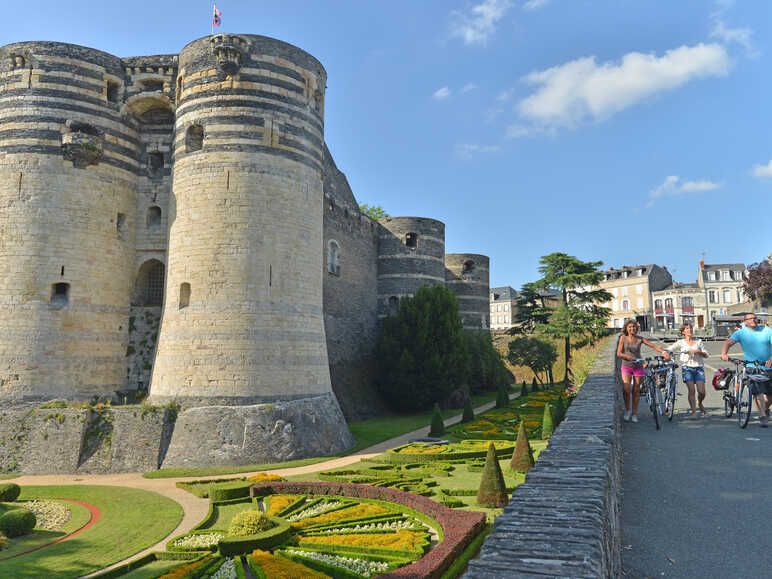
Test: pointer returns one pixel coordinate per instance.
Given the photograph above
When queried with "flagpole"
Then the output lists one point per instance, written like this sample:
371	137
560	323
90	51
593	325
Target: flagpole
214	7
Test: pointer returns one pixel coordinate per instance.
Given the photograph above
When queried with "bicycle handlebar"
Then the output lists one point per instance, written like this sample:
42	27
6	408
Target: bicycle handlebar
746	363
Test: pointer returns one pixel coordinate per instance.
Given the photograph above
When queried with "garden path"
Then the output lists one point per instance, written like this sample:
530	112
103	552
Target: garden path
194	508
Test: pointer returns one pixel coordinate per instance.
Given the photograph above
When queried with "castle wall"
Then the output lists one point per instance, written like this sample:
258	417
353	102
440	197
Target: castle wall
350	295
68	188
411	254
468	276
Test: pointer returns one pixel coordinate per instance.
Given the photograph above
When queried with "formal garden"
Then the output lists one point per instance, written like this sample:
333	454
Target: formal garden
419	509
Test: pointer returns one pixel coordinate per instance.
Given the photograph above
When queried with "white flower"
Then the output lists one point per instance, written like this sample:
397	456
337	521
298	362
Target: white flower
227	570
361	567
203	541
50	515
317	509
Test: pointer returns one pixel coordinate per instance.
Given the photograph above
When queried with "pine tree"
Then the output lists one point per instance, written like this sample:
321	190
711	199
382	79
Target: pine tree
493	491
468	415
522	457
438	426
547	423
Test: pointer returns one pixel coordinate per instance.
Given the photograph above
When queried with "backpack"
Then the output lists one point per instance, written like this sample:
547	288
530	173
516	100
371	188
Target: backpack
723	378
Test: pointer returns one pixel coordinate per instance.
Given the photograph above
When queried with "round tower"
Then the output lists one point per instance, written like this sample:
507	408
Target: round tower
242	320
68	187
468	276
411	254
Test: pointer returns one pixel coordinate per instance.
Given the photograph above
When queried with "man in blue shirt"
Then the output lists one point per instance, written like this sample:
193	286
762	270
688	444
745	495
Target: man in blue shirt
756	341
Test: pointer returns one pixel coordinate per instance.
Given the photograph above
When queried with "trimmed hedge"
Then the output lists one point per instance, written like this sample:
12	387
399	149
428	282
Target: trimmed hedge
229	491
362	550
394	455
170	548
9	492
17	522
200	488
266	540
458	527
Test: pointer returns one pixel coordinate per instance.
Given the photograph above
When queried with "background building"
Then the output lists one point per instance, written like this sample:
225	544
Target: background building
631	288
503	305
678	304
722	285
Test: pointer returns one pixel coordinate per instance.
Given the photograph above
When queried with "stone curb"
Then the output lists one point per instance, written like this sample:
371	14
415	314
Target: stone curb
564	520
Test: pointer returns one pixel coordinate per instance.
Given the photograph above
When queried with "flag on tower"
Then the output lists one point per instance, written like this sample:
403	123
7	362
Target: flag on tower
217	17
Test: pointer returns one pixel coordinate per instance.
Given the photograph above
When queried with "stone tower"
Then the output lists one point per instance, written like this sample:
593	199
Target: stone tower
411	254
242	323
468	276
68	188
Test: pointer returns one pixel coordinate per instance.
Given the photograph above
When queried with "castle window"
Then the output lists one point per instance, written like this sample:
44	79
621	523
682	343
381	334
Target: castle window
154	218
149	286
60	295
113	91
411	239
152	85
333	257
179	88
468	267
155	162
184	295
393	305
331	205
120	225
194	138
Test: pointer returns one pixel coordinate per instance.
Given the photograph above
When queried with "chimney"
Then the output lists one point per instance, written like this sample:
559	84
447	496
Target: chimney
702	263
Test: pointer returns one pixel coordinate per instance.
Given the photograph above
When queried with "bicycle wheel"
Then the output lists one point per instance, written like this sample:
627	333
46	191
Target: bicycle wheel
670	398
652	398
728	405
744	404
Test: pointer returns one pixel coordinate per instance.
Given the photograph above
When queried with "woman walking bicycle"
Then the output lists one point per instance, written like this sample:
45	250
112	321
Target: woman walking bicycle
629	350
692	354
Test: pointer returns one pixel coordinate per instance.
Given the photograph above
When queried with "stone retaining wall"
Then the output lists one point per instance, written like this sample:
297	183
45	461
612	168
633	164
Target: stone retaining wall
564	521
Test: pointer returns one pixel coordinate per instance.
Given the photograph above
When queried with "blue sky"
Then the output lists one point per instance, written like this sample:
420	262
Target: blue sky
626	131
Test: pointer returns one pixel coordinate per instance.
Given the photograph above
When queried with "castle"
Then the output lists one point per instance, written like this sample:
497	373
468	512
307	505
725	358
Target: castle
176	223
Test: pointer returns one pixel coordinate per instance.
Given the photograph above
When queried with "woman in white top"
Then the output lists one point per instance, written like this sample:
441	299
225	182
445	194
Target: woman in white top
692	353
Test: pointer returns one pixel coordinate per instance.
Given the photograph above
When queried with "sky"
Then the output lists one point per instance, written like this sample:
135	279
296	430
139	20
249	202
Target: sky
622	131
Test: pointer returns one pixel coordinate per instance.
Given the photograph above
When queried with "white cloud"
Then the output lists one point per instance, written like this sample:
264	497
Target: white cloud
763	171
441	93
478	24
467	150
535	4
582	89
741	36
673	186
468	87
505	95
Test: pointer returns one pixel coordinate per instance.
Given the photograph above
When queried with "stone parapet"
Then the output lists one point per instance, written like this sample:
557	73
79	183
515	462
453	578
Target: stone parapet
564	520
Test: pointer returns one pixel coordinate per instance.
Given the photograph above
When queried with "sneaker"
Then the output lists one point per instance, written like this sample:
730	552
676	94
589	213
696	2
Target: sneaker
764	421
634	418
626	417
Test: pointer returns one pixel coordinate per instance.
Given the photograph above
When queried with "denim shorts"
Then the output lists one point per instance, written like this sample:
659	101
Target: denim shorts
693	374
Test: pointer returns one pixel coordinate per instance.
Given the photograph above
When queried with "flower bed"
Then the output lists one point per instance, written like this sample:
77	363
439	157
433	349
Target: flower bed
51	515
416	452
504	422
280	568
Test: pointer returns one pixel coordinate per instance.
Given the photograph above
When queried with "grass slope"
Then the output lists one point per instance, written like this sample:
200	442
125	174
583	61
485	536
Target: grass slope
131	520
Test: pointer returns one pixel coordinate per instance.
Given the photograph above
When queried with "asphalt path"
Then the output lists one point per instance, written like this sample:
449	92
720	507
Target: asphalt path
697	494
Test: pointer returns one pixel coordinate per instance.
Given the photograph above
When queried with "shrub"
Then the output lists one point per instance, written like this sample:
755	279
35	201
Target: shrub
438	426
487	370
17	522
9	492
522	458
279	533
534	385
493	492
502	398
249	523
560	410
262	477
468	415
547	423
229	490
421	352
523	389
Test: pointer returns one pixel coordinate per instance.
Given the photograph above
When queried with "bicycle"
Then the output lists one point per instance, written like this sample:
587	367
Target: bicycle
649	387
671	387
752	371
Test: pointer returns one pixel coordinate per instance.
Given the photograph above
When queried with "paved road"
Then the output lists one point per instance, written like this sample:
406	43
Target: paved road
697	494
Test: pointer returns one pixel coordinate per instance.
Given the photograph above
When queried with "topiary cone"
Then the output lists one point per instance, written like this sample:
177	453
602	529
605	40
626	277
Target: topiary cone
522	458
547	423
502	398
437	426
468	415
534	386
493	491
560	410
523	390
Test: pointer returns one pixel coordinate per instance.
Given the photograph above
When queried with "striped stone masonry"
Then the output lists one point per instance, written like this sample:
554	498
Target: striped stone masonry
564	520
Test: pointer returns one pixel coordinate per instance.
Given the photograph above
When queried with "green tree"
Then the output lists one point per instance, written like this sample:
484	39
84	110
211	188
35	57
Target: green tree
522	457
578	313
492	491
547	423
532	309
437	427
534	352
421	351
468	414
373	211
487	371
758	284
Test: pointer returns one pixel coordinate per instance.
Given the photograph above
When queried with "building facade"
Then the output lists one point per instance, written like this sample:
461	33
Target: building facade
680	303
177	224
722	284
631	289
503	307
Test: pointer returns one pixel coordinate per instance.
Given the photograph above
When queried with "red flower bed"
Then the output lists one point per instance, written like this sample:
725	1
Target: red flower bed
458	527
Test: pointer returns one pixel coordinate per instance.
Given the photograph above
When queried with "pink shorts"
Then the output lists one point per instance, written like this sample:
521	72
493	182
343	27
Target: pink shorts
638	371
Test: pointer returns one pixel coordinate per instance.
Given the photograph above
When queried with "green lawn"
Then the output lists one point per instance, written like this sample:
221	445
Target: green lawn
9	476
225	513
152	569
131	520
366	433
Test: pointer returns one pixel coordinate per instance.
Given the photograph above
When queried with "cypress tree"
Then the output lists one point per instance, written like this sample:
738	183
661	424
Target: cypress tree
534	385
523	390
522	457
493	491
468	415
502	398
560	410
438	426
547	423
